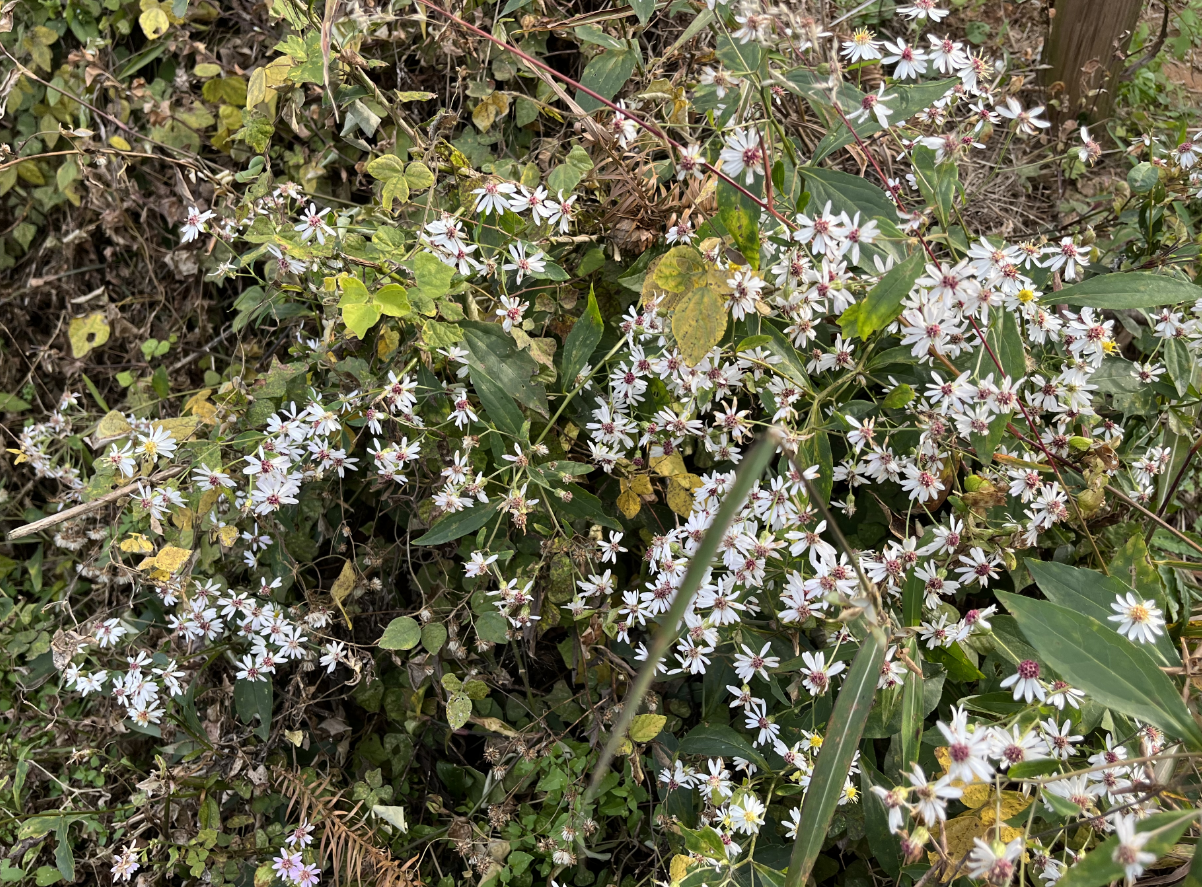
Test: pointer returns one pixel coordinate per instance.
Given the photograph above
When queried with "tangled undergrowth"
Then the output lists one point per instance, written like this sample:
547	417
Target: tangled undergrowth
533	443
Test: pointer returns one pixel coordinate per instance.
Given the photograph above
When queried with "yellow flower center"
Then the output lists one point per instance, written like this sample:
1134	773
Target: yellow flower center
1026	295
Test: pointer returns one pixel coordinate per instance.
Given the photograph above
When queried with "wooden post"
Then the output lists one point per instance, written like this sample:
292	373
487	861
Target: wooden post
1085	52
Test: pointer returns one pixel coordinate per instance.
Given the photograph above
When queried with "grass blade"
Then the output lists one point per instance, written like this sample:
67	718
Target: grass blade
834	761
665	635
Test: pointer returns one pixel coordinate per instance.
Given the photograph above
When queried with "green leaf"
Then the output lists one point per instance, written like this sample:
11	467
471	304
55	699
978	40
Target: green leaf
433	282
1116	673
499	355
63	857
493	627
839	746
644	728
360	318
906	101
718	740
1098	866
1006	340
10	403
936	182
644	9
458	524
581	341
912	705
459	709
740	216
1143	177
254	698
1128	289
402	633
434	635
568	174
605	75
883	303
1091	593
1029	769
886	848
848	193
393	301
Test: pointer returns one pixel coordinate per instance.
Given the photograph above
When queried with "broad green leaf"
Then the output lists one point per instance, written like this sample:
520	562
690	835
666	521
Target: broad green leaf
10	403
644	9
740	216
402	633
458	524
849	194
254	698
936	182
886	848
816	450
433	282
905	101
582	505
699	321
741	58
1126	289
64	859
884	301
1098	866
605	75
1006	339
493	627
581	341
1091	593
1116	673
434	635
1029	769
718	740
841	742
568	174
501	373
1131	396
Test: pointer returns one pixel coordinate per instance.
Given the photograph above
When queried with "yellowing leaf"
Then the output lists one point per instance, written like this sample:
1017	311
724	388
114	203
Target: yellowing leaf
679	868
343	586
667	466
227	535
112	426
418	175
136	543
206	70
644	728
641	484
629	503
120	144
207	500
171	558
699	322
487	112
86	333
679	499
154	22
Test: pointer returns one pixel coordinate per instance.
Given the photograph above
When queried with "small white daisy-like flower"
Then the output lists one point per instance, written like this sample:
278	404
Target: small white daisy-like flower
1139	620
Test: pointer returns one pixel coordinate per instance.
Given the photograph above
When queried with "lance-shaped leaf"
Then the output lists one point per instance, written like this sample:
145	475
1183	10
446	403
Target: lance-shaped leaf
1098	866
1115	672
834	761
582	339
1130	289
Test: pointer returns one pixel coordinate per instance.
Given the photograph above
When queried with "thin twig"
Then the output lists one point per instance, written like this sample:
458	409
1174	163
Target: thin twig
88	507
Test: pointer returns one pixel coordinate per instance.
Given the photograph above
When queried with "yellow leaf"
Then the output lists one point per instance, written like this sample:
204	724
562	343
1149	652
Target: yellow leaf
644	728
667	466
386	342
629	504
136	543
112	426
641	484
183	518
680	500
679	868
343	586
227	535
207	70
207	500
699	321
169	559
1012	804
977	794
86	333
120	144
154	23
181	429
487	112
